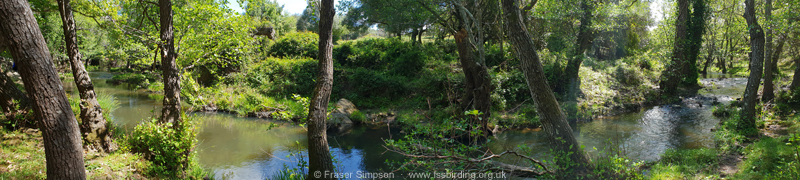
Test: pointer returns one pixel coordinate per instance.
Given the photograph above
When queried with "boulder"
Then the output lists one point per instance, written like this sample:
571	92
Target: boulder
339	123
345	107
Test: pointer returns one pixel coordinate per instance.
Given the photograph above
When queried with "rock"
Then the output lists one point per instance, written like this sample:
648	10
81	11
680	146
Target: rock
339	123
382	118
345	107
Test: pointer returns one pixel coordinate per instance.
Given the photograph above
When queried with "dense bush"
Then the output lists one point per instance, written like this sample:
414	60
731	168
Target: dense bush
297	44
393	55
282	77
168	147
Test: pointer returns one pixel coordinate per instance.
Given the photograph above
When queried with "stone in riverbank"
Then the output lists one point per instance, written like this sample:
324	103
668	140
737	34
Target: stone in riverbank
345	107
339	123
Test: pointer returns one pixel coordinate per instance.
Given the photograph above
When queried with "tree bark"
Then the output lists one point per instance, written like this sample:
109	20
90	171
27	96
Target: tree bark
171	111
748	113
94	128
319	156
671	77
561	138
62	141
769	88
478	88
585	38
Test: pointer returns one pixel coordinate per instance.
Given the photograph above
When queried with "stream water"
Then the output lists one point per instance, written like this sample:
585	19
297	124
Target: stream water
247	148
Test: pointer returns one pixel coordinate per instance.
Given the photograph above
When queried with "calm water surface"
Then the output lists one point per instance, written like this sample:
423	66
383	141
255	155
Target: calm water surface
247	148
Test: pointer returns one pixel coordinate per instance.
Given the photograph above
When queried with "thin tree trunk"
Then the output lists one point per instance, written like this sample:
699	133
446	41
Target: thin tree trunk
62	141
585	38
561	138
769	88
748	113
319	156
171	111
710	57
672	75
94	129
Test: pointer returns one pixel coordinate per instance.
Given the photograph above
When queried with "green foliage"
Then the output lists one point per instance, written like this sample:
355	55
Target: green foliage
107	102
358	116
298	44
387	54
168	146
278	77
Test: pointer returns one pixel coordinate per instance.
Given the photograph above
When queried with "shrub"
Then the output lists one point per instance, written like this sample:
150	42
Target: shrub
297	44
358	116
168	147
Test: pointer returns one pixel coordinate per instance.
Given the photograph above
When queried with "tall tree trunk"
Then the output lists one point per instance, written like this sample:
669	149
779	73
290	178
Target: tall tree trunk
171	111
14	103
62	141
94	129
769	88
319	156
585	38
695	30
748	113
478	88
561	138
671	77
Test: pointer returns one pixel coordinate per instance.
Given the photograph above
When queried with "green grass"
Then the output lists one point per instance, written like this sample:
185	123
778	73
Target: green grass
686	164
22	157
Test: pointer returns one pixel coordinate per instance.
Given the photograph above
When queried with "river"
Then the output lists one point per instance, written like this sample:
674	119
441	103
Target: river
248	148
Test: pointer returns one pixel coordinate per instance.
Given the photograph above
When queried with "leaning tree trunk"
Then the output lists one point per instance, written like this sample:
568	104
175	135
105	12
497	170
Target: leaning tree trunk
585	38
94	128
672	75
319	156
554	122
747	117
171	111
62	141
769	88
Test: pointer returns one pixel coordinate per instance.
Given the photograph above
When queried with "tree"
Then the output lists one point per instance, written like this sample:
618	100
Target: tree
171	112
747	117
94	129
319	156
671	77
768	92
14	103
561	138
695	29
584	42
62	142
470	41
